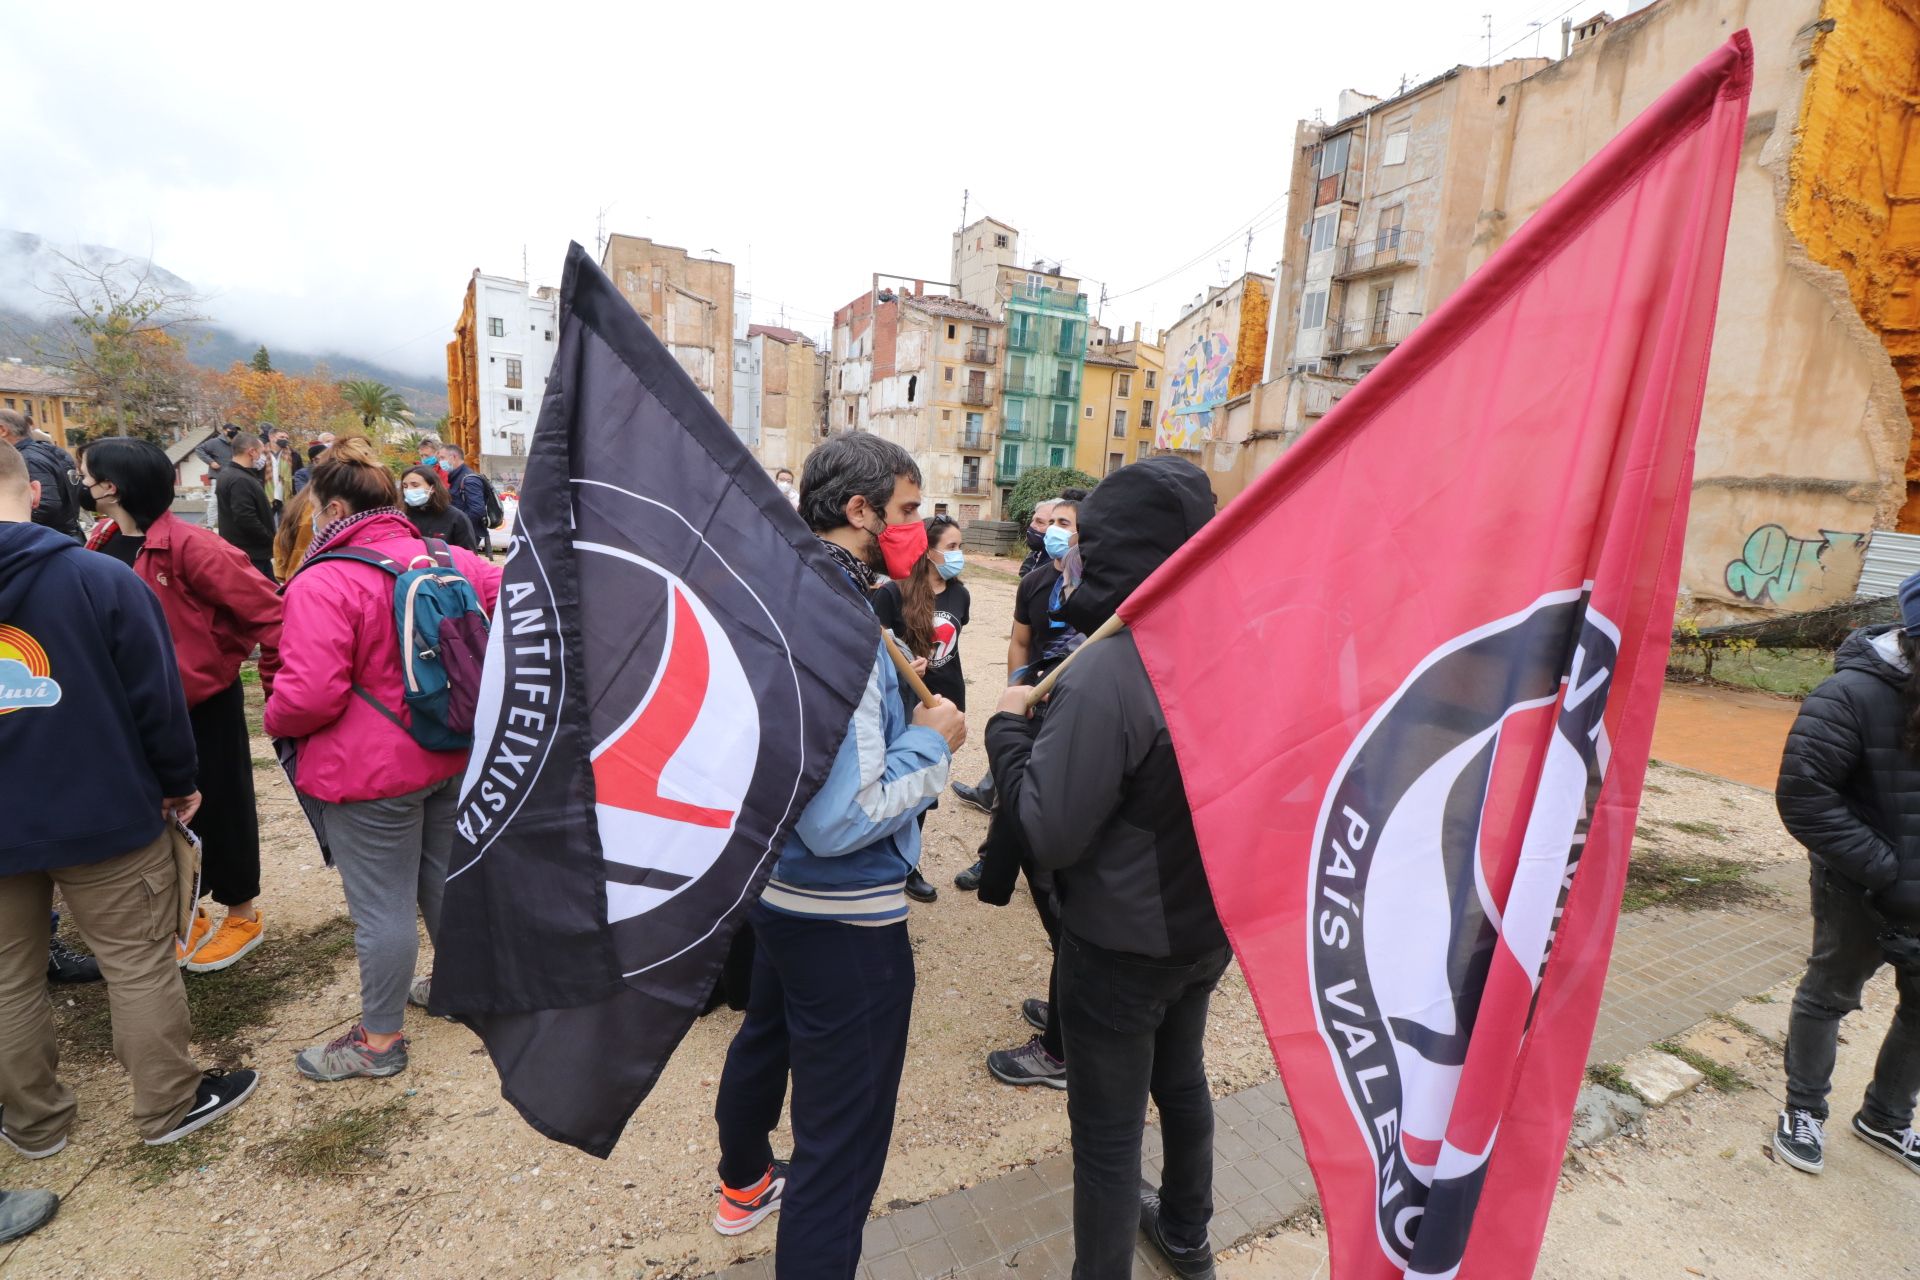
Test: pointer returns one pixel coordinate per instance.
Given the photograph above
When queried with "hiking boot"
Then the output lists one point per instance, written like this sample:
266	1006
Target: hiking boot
1035	1012
1799	1140
25	1211
1029	1064
232	940
197	936
418	993
1194	1263
980	798
1902	1144
219	1093
742	1209
41	1154
351	1056
968	881
918	889
64	964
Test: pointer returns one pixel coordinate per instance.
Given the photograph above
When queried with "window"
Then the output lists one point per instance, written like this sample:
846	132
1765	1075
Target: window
939	508
1396	149
1114	462
1388	236
913	386
1150	379
1382	312
1313	312
549	335
849	415
496	327
976	423
1146	410
1009	459
1057	457
979	335
514	404
513	372
946	415
1062	416
71	408
1120	422
1324	228
1087	412
1333	155
951	329
517	444
999	242
1123	385
9	402
948	375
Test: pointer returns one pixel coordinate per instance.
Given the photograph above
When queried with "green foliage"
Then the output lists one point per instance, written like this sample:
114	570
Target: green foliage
375	402
1608	1075
1723	1078
343	1144
1042	483
262	362
1679	880
1791	672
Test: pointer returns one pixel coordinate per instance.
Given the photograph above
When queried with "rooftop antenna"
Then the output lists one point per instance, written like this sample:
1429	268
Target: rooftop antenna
1489	19
965	196
525	274
600	229
1247	261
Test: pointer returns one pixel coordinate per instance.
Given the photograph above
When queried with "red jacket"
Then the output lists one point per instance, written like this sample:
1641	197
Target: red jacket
218	606
340	632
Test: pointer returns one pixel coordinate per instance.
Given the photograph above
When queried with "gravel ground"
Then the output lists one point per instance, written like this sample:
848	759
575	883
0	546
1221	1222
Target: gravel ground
473	1191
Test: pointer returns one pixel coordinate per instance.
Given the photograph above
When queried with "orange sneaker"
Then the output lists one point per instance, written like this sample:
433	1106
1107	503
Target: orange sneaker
742	1209
233	939
196	939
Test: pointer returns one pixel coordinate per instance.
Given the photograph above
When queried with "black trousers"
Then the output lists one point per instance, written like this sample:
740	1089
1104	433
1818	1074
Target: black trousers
227	824
829	1004
1040	889
1845	955
1134	1028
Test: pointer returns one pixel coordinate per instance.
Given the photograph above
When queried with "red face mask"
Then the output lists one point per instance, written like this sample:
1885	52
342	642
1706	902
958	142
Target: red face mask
902	545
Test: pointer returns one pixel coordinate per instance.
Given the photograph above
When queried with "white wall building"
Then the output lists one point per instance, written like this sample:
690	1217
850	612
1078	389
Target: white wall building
516	331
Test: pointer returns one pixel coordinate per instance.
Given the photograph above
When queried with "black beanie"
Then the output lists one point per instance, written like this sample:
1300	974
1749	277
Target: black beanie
1129	525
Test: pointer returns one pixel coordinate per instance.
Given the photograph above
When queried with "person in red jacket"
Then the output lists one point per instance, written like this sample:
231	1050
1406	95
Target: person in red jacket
388	803
218	608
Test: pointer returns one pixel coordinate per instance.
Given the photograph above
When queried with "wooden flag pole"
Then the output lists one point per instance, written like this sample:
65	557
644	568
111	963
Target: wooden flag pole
907	673
1111	626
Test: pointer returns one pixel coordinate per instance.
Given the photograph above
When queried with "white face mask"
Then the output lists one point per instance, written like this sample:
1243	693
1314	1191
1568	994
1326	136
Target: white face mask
415	497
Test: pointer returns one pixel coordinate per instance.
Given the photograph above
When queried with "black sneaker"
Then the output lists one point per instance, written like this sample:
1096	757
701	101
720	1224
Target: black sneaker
918	889
1035	1012
1193	1264
974	797
64	964
1799	1140
1902	1144
969	880
219	1093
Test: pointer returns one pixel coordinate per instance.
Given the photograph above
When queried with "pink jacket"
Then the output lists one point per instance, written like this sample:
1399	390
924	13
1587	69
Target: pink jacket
338	632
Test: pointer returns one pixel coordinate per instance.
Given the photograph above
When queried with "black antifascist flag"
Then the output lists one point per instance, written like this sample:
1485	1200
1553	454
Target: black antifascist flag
673	662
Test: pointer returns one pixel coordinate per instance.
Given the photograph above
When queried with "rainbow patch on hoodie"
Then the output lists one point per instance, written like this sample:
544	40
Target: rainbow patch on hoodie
26	677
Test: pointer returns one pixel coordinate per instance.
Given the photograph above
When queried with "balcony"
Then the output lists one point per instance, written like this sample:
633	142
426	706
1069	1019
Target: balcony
1023	339
1014	429
1018	384
976	394
1389	249
1060	432
972	487
976	441
1066	384
1373	334
979	353
1319	394
1052	299
1005	476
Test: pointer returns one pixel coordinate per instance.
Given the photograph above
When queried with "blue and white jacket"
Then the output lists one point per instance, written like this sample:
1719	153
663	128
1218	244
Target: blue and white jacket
850	853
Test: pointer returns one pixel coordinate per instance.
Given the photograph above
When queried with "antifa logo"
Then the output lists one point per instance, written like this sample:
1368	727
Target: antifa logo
1493	748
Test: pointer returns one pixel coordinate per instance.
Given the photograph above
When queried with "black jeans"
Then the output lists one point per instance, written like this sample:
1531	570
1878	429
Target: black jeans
228	823
1134	1027
1845	955
830	1003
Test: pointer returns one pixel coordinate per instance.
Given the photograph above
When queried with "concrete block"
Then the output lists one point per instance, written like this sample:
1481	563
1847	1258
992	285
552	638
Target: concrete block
1599	1113
1658	1076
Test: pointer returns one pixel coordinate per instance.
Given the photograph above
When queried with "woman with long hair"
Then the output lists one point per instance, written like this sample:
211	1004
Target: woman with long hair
926	612
430	508
218	607
387	802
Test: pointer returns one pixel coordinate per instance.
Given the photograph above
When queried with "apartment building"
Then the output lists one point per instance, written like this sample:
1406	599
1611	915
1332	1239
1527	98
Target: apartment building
687	301
497	365
1214	353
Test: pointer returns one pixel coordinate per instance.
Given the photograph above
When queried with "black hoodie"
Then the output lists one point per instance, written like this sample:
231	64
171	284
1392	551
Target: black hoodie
1095	785
1849	790
93	722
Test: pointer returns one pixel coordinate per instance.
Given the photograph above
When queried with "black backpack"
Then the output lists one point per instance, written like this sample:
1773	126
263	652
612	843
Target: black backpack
66	503
496	514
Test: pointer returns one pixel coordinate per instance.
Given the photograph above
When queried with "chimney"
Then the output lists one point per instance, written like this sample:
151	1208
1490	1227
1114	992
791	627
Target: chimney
1136	331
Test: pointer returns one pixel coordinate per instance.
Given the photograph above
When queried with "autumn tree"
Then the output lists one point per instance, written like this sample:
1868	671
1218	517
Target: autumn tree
303	406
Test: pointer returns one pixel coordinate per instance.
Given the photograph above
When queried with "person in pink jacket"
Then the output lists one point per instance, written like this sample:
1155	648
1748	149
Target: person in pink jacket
387	803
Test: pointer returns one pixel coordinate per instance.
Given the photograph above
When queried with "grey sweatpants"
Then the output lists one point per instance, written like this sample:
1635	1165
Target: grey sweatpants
392	858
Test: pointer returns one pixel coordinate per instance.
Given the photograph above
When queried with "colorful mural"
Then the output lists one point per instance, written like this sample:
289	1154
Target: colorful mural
1196	388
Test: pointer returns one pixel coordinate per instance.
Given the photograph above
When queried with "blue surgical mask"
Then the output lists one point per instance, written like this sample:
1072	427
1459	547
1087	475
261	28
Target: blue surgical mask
1058	540
415	497
316	522
951	563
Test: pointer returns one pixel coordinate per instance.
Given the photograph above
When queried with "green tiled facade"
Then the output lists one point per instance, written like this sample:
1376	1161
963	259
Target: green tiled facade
1046	343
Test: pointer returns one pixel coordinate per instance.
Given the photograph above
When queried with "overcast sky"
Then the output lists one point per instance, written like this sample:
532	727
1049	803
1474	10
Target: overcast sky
332	174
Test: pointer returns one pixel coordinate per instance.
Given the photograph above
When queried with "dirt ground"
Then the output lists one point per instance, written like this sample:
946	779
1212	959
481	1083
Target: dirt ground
1697	1192
460	1186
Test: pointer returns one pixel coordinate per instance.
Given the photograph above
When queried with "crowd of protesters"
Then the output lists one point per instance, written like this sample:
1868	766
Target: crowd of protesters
154	617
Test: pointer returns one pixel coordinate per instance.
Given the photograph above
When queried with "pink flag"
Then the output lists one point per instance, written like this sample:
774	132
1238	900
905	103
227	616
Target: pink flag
1415	754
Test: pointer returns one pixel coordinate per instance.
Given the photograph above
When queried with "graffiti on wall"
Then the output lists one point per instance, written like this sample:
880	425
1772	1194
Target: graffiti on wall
1196	388
1775	566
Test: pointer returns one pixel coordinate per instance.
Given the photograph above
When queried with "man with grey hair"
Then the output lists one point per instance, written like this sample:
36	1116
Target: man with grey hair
829	1002
55	481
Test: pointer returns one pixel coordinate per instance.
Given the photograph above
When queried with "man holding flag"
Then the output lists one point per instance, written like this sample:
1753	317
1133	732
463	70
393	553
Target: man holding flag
832	986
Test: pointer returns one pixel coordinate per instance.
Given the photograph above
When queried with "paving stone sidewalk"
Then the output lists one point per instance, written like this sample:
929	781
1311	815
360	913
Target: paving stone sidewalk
1670	969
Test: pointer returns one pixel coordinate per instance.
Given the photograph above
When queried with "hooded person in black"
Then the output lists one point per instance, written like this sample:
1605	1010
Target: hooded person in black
1849	790
1095	792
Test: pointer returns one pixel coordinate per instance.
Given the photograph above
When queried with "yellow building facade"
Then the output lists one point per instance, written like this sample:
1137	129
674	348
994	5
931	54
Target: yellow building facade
1119	400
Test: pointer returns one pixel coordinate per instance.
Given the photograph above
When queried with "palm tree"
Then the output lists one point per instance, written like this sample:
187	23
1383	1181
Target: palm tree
375	402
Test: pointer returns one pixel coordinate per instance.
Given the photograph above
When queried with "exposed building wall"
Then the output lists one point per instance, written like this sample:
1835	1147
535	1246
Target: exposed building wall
516	336
686	301
1205	359
1804	437
978	255
463	381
